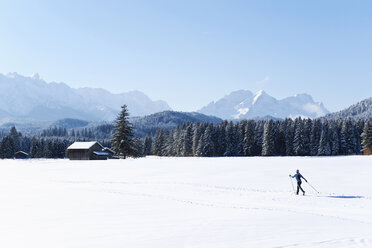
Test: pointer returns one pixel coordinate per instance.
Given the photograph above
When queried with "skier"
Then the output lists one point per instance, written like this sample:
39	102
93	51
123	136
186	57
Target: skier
298	179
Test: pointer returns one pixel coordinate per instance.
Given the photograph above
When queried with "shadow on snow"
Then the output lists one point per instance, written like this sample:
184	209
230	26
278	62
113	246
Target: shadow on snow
345	196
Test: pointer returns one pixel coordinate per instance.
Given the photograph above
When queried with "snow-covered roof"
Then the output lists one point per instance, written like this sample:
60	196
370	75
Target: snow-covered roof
82	145
101	153
21	152
108	149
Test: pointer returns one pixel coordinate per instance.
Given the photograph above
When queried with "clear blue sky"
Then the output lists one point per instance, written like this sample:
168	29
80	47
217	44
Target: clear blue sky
192	52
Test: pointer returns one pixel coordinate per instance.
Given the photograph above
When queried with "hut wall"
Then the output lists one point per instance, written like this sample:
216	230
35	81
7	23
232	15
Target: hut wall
367	151
78	154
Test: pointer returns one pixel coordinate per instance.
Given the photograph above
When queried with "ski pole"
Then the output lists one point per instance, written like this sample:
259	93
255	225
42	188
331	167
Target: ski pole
292	184
312	187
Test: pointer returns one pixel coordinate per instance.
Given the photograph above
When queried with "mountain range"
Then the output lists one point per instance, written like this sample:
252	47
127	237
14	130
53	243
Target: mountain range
27	99
243	104
31	98
31	104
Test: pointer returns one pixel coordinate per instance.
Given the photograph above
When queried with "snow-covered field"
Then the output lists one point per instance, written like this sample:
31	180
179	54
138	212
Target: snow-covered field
185	202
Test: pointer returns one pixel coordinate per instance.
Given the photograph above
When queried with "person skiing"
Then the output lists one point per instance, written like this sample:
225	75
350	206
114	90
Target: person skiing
298	177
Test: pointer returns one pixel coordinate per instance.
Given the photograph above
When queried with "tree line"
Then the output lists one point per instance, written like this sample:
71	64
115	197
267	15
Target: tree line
102	131
299	137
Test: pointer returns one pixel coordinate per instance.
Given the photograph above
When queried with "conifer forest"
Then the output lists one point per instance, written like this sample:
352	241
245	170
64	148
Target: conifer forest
298	137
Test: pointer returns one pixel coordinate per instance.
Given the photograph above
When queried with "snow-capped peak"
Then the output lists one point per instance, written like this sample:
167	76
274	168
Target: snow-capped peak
32	97
262	96
258	95
262	104
35	76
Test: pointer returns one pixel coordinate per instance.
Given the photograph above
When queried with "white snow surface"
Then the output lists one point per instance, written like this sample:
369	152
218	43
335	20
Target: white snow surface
186	202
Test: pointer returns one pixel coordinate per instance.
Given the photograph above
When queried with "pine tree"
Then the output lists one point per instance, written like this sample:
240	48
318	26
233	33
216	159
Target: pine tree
48	149
268	144
122	138
230	140
289	136
221	139
359	126
61	148
7	147
280	139
16	137
307	132
259	133
137	150
169	145
324	146
10	144
347	139
299	137
315	137
33	147
158	142
208	147
335	142
73	133
248	140
199	148
195	137
187	141
26	144
367	135
177	145
147	145
37	148
240	137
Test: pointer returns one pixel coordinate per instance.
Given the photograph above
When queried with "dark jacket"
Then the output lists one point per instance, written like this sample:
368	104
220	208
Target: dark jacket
298	177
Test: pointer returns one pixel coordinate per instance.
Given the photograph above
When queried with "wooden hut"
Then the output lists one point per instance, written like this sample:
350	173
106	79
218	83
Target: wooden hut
84	150
21	155
367	151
